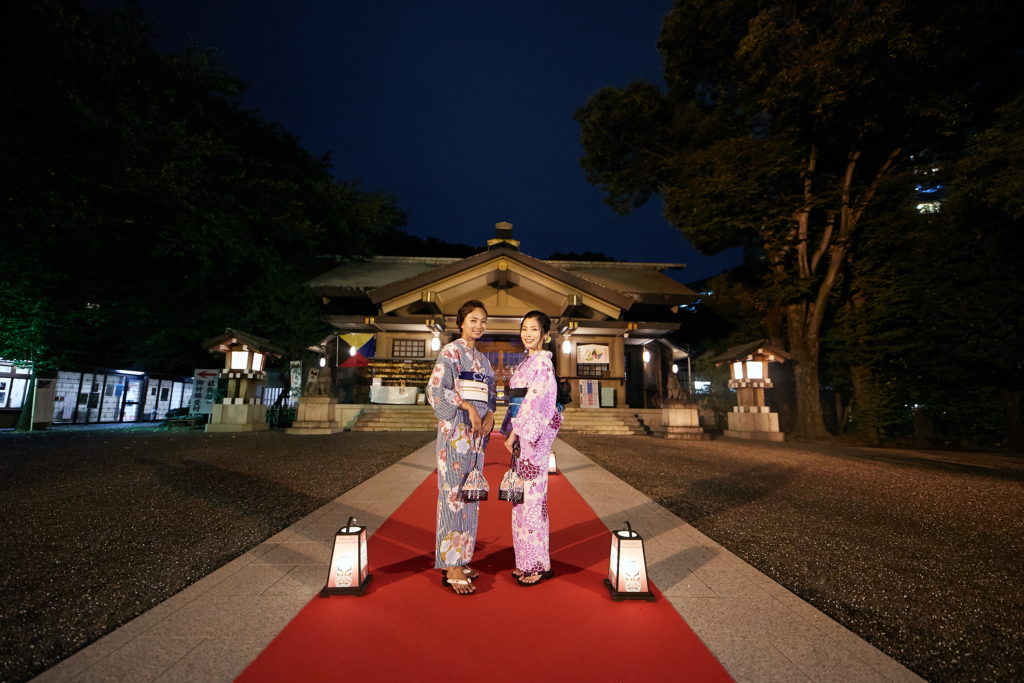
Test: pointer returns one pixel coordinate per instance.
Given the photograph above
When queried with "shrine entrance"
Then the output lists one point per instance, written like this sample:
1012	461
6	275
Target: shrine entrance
504	354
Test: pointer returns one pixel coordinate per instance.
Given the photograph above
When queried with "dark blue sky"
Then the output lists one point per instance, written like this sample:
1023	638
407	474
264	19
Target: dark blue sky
463	110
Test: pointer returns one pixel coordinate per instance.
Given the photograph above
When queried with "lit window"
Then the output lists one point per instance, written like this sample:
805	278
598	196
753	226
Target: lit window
929	207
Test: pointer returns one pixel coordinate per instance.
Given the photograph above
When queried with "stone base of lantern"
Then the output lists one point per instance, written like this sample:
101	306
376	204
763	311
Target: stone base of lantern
756	423
239	417
680	421
316	415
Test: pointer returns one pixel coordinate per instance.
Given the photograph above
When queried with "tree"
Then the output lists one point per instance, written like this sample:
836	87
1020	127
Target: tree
780	126
148	209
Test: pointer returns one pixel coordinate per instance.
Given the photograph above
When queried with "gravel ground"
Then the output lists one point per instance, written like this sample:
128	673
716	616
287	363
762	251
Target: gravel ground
919	553
100	525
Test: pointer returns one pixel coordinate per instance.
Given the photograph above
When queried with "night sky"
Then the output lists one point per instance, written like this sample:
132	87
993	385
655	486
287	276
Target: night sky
463	110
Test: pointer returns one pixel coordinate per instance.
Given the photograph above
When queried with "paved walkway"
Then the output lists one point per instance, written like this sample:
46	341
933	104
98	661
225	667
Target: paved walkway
214	628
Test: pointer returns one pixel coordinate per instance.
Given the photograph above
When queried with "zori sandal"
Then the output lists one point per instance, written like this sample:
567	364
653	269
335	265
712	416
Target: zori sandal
544	576
452	583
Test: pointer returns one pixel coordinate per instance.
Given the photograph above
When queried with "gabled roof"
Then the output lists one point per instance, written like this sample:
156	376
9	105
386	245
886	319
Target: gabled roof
224	341
359	277
744	350
644	282
496	254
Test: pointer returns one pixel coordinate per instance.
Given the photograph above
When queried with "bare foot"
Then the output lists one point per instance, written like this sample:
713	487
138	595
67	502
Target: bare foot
458	581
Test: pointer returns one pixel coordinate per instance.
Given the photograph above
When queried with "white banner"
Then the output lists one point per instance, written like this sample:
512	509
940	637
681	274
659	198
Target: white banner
592	353
204	388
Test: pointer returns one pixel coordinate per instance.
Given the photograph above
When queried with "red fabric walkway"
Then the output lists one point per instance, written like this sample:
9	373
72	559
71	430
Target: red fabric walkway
410	628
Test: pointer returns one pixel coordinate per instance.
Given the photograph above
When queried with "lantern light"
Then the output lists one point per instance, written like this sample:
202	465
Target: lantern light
647	355
675	368
348	573
552	465
435	342
239	360
323	361
566	346
352	351
737	370
627	567
755	369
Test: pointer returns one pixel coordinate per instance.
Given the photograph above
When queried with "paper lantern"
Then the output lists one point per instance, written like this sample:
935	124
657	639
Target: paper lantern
627	567
348	573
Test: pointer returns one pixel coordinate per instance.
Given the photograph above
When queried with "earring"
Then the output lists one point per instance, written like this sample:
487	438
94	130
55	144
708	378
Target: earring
547	339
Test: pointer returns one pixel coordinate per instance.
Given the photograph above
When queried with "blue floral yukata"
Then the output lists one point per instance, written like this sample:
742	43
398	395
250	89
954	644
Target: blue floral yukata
459	369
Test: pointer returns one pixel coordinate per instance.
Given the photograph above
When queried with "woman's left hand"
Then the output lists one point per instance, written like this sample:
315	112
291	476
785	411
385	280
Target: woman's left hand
510	441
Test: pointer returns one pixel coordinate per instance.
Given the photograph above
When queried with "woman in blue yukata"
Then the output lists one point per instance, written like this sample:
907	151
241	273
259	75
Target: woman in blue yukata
462	392
530	427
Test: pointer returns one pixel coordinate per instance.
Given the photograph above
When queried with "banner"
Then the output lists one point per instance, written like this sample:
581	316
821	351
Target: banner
365	346
592	353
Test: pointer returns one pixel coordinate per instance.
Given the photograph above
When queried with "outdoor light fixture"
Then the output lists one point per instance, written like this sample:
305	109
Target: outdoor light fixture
352	350
627	567
435	342
245	360
737	370
675	368
755	369
647	355
552	465
323	361
239	360
566	332
348	573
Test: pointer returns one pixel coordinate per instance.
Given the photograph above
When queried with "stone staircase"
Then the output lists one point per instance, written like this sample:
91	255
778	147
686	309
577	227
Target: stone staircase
406	418
603	421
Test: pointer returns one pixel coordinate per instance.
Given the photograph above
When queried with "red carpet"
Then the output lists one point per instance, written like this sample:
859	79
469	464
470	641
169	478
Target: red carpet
410	628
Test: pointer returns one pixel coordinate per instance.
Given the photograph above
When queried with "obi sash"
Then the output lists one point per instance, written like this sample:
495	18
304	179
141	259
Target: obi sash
474	386
515	399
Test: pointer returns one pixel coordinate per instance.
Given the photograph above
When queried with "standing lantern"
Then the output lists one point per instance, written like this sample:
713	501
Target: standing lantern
349	571
627	567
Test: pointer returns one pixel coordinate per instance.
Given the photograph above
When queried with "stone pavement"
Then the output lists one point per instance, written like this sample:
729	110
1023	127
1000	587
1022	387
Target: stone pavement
212	630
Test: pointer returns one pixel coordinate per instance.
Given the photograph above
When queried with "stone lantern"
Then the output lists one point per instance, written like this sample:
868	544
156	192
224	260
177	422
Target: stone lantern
752	418
245	358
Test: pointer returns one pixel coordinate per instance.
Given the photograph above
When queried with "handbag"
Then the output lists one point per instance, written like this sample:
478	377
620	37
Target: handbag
511	488
474	487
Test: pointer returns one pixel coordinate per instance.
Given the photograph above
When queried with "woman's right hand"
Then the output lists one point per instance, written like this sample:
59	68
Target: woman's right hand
510	441
475	423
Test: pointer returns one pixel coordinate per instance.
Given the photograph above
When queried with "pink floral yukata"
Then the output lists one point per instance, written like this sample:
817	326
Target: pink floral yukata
457	452
536	426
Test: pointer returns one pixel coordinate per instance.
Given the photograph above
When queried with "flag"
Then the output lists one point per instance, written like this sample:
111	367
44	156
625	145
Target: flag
365	346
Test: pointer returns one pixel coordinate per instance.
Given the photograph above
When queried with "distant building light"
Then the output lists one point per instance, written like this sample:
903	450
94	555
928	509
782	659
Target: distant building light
130	372
701	386
929	207
928	189
91	306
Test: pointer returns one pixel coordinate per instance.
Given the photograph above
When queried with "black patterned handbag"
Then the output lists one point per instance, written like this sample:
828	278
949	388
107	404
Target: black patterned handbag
511	488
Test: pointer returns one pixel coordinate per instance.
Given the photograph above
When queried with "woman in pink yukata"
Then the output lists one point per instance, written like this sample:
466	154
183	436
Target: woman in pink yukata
530	427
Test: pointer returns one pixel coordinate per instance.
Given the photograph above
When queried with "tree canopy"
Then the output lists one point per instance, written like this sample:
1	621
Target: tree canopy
146	209
781	126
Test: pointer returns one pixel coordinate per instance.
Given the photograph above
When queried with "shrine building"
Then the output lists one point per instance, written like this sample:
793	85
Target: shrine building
610	321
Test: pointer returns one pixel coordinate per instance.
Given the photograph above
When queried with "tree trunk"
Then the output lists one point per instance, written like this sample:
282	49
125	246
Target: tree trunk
810	421
865	401
1014	432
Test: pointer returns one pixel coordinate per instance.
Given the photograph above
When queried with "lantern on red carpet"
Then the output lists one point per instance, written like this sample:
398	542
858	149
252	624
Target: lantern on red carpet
349	570
552	465
627	567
